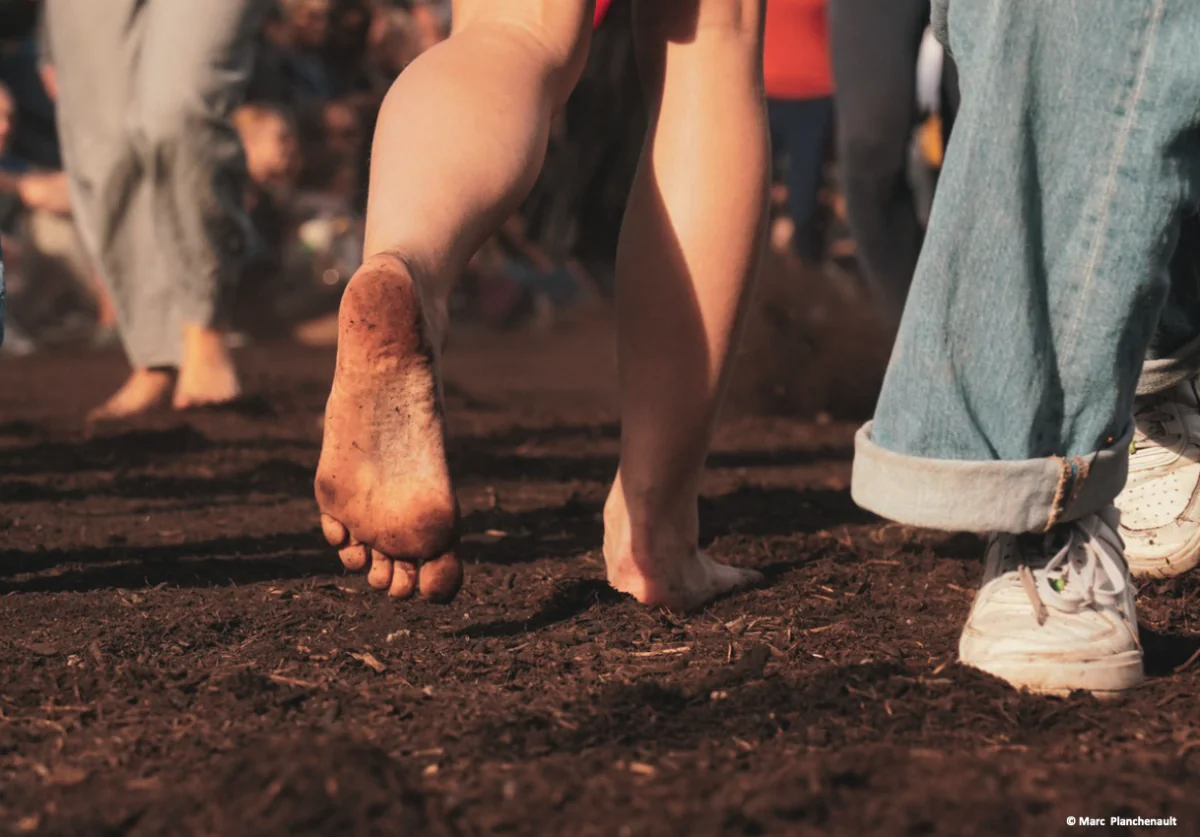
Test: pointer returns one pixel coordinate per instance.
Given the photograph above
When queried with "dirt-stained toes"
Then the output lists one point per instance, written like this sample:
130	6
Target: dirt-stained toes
404	580
441	579
380	574
355	557
334	532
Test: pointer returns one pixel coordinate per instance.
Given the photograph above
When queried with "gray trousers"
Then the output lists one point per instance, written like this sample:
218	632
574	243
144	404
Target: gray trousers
146	88
874	46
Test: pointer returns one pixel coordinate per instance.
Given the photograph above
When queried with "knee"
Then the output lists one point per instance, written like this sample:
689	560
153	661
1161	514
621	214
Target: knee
163	124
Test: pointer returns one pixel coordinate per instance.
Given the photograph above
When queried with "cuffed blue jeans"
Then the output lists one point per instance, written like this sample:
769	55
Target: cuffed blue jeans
1061	252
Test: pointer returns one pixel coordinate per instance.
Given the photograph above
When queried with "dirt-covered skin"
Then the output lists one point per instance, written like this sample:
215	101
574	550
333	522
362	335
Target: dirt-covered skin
181	652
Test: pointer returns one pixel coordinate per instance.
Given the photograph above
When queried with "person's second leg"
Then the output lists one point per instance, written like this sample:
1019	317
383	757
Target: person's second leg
460	139
1160	504
874	49
192	71
689	249
1007	404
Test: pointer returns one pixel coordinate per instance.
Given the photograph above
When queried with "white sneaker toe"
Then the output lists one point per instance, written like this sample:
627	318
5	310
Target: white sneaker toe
1056	618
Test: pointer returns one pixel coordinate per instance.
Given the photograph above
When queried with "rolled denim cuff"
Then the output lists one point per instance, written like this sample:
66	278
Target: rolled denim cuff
1164	373
1029	495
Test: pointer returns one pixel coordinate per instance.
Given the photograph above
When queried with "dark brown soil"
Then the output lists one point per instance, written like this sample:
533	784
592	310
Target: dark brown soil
180	654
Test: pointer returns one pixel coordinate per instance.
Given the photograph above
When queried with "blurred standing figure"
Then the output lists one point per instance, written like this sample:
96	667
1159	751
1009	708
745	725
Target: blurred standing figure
875	46
146	89
799	85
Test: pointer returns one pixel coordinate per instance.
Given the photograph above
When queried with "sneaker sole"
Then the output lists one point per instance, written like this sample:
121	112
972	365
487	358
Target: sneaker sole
1178	563
1108	677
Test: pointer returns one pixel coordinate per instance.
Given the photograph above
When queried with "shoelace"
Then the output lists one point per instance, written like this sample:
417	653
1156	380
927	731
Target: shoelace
1087	570
1150	419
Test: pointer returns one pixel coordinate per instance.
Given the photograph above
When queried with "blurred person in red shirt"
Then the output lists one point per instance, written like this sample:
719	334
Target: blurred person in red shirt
799	85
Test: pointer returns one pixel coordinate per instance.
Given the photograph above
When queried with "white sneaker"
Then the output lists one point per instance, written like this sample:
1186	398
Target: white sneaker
1056	614
1160	506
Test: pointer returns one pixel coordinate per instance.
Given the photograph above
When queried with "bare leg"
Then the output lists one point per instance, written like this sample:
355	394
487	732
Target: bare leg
461	138
688	252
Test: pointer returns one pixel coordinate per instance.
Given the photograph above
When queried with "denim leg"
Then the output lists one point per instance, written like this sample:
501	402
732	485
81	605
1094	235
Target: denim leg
1007	403
1174	354
874	47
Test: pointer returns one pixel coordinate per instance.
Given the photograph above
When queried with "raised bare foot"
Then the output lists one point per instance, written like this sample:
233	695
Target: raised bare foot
661	565
144	390
382	483
206	375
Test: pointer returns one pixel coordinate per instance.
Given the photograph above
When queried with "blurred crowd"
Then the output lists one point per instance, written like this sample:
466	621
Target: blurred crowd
322	67
321	71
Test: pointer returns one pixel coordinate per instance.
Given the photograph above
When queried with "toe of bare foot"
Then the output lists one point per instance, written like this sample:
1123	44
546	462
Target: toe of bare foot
334	531
441	578
404	580
356	557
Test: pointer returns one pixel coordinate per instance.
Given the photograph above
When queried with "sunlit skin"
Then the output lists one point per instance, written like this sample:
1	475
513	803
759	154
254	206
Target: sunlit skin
484	100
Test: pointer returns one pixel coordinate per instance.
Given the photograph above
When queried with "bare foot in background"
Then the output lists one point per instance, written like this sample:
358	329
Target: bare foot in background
206	375
144	390
382	483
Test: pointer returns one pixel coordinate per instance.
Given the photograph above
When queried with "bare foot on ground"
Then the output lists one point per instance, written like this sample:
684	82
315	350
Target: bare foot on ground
143	390
661	564
207	376
382	483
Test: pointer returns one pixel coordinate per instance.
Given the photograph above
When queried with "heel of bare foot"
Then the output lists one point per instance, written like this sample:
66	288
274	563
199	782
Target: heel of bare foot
144	390
382	482
207	376
661	565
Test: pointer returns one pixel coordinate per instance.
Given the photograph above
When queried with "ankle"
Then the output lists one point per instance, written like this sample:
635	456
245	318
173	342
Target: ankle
638	530
202	344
